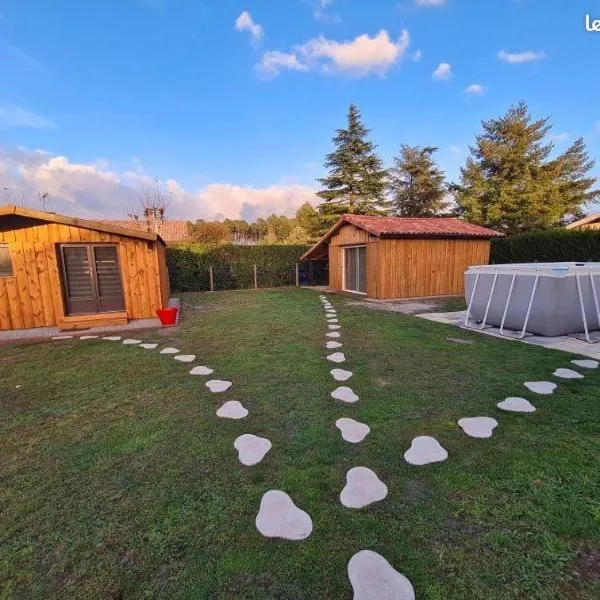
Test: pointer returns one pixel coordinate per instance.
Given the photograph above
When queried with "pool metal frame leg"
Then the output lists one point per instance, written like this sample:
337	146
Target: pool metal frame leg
489	302
585	325
593	284
510	291
471	299
533	291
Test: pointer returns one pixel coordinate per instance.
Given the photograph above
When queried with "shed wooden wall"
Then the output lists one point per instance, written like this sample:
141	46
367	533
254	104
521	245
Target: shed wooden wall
413	267
33	296
408	267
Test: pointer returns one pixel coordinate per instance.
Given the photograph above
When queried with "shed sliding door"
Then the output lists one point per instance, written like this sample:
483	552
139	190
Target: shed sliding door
355	269
91	278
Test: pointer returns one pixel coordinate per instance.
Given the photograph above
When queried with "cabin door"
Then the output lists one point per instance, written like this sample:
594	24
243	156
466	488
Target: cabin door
355	269
91	278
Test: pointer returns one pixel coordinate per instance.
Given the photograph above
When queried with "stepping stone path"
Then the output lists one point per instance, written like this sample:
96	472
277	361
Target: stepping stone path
373	578
541	387
586	363
279	517
332	320
185	358
362	488
516	404
89	337
112	338
337	357
201	370
334	327
331	345
478	427
341	375
169	351
334	334
149	346
251	448
232	410
425	450
63	337
130	342
352	431
218	385
567	374
459	340
345	394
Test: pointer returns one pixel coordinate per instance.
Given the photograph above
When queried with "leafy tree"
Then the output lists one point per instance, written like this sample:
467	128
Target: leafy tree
209	232
417	183
357	181
511	183
307	218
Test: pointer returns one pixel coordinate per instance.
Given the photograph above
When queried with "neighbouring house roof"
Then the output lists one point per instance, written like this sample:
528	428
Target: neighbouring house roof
399	227
24	214
593	218
171	232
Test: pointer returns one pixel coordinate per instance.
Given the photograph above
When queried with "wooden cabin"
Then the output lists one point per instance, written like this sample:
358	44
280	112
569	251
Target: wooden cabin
395	257
590	222
74	273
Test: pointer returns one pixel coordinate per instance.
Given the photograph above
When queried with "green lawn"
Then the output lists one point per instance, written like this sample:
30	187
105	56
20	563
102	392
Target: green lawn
119	481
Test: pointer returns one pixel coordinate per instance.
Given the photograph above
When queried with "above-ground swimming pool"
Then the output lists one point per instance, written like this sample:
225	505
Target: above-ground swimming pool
548	299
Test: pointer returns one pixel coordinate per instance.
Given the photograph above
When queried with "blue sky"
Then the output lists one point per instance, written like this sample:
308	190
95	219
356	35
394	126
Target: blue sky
233	104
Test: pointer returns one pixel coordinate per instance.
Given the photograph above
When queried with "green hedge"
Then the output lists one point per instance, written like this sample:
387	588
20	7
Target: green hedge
557	245
232	266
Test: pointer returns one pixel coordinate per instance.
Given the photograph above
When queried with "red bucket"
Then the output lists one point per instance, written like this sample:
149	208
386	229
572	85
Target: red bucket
167	316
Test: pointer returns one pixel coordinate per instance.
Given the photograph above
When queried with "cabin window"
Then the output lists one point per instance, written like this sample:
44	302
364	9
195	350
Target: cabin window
6	269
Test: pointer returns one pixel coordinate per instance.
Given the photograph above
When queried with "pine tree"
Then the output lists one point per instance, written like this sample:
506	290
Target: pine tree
357	180
417	183
511	183
307	218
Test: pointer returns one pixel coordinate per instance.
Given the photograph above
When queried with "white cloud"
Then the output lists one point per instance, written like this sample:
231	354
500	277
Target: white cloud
93	190
520	57
475	89
417	56
443	72
321	12
364	55
560	137
17	116
245	22
272	63
430	2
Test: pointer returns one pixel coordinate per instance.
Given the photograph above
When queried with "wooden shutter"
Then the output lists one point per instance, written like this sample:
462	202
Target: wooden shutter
108	277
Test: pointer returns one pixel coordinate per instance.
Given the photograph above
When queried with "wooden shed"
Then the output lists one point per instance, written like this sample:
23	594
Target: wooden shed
395	257
74	273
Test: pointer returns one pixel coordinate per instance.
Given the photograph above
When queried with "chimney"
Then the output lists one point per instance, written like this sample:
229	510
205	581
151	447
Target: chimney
154	216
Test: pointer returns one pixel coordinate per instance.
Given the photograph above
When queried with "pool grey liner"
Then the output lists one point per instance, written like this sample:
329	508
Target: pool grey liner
548	299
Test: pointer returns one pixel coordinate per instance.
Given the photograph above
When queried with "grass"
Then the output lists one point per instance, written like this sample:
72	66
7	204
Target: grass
118	480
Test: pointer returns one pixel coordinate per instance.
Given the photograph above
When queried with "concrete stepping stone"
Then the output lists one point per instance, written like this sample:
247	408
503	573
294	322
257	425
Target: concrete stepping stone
334	327
332	345
459	340
516	404
232	410
373	578
201	370
218	385
112	338
89	337
362	488
185	358
541	387
251	448
478	427
337	357
352	431
332	320
345	394
586	363
149	346
62	337
169	351
425	450
341	374
334	334
279	517
130	342
567	374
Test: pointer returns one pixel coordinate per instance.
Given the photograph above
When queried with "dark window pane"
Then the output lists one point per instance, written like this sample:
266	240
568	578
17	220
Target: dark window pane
6	269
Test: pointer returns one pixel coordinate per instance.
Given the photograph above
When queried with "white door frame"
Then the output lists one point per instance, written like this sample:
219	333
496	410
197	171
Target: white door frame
344	248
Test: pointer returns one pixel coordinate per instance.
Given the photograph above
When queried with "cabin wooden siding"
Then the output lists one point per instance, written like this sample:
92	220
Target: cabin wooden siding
408	267
33	296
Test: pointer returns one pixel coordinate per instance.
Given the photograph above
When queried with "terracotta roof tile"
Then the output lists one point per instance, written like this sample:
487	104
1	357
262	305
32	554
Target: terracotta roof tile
170	231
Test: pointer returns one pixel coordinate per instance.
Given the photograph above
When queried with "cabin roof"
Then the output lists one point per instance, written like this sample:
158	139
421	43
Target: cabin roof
50	217
400	227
